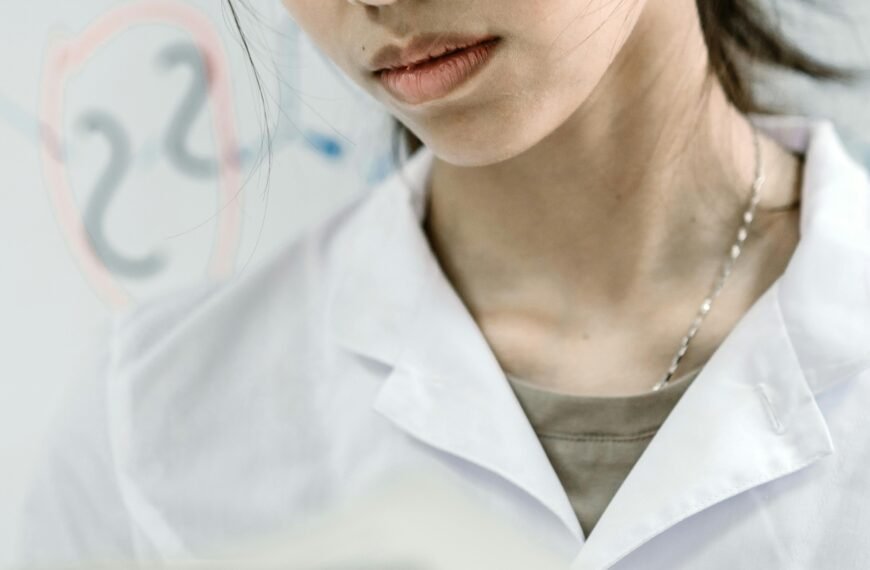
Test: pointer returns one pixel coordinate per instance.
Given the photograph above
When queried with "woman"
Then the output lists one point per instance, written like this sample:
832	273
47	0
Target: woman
605	290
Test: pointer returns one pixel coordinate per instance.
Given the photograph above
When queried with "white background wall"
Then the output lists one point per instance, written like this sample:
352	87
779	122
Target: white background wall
117	71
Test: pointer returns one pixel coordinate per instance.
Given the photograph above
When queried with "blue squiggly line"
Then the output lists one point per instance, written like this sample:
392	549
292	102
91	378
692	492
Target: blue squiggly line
107	186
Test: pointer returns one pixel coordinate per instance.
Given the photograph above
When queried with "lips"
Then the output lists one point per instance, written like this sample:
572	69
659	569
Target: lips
437	77
421	49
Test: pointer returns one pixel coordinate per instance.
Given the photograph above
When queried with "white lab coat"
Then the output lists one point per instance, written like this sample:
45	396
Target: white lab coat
230	410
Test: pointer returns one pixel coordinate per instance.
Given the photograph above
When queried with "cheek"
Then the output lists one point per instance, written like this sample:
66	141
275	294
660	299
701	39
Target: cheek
319	21
333	29
574	42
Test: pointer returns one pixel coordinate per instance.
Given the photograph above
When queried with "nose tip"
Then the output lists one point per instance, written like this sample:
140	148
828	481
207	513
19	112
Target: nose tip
372	2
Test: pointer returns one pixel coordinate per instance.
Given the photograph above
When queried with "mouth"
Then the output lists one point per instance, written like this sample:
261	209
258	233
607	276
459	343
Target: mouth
414	79
423	49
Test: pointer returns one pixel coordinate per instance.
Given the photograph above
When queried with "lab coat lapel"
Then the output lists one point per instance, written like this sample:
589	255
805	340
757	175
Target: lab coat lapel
445	387
748	418
751	415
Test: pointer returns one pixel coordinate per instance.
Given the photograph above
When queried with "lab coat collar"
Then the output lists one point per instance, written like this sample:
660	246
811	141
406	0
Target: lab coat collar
395	305
749	417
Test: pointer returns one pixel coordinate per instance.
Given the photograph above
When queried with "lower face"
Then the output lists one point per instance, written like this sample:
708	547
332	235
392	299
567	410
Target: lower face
535	65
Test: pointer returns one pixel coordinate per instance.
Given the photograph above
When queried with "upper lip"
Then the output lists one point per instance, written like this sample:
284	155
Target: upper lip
421	48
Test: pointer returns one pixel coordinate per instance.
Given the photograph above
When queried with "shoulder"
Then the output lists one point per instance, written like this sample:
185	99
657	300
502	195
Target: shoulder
206	399
288	288
208	345
216	393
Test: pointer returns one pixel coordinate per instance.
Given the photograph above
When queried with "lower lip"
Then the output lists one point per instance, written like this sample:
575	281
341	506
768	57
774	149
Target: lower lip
437	77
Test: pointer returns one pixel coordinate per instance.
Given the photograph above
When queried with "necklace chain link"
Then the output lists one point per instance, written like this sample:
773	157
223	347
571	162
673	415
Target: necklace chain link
733	254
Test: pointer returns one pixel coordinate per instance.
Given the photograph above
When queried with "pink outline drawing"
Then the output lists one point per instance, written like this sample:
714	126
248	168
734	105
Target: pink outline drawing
63	58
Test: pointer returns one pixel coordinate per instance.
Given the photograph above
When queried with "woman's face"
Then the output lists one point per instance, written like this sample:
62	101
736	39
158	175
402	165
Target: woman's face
550	56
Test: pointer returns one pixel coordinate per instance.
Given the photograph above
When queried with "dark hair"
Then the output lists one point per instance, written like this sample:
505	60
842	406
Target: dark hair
733	30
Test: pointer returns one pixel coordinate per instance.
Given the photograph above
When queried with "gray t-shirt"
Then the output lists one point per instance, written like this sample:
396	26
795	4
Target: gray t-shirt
594	441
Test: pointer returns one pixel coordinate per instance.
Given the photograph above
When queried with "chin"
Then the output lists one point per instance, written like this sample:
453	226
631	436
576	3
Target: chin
495	137
475	149
470	157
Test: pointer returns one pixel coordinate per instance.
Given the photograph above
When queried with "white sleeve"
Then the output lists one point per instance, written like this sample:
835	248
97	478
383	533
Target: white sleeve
74	512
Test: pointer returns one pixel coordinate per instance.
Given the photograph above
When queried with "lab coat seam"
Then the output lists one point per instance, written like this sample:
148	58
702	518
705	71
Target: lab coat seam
117	405
132	527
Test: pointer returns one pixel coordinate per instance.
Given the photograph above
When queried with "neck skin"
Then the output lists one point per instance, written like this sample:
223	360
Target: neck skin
598	244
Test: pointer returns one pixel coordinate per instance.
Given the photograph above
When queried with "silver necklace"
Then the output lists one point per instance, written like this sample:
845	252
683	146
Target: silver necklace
733	254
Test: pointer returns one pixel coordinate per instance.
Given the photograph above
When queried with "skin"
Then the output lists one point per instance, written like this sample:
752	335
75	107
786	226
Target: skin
585	187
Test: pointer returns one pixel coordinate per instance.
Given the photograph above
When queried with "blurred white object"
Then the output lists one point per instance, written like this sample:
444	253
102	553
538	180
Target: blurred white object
411	520
414	520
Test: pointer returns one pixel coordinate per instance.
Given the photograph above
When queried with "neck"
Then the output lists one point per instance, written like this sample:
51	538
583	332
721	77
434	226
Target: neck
594	248
631	203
